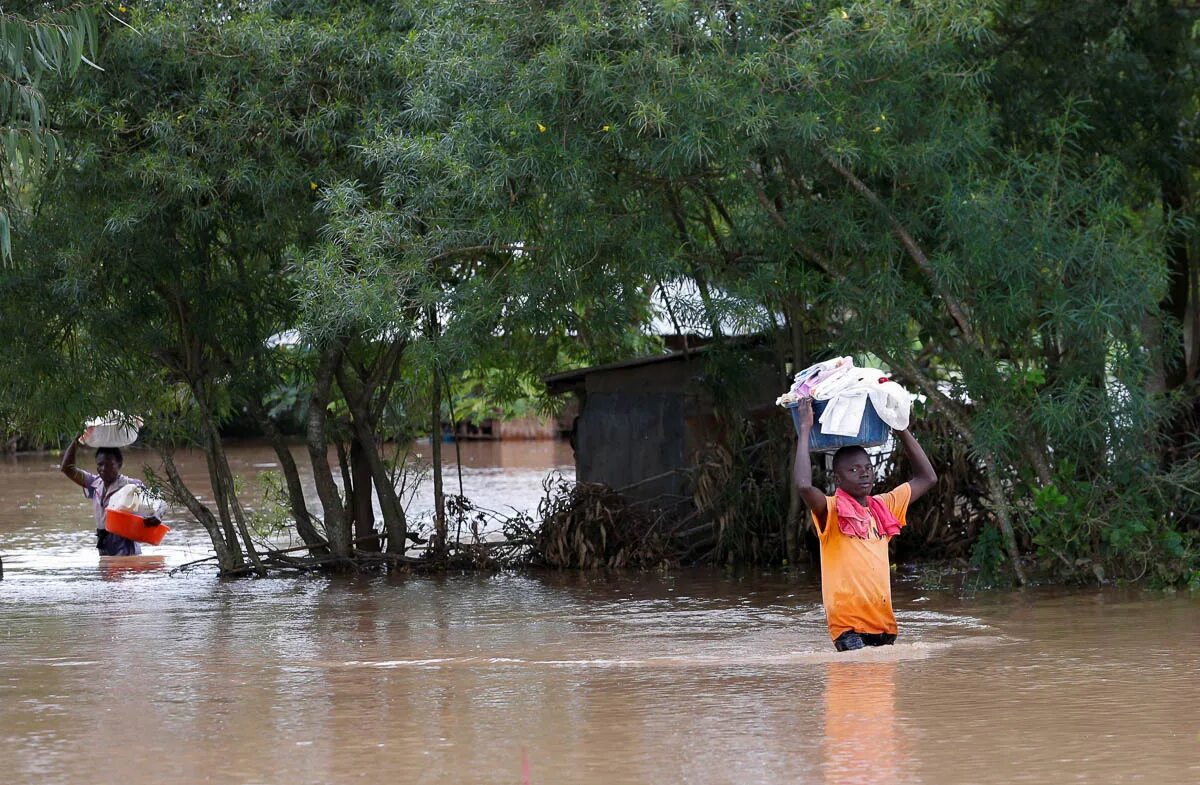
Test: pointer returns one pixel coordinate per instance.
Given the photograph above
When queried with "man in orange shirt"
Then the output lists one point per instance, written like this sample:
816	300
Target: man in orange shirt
854	529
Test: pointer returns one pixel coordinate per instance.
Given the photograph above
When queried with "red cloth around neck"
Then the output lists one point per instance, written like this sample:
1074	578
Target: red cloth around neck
854	520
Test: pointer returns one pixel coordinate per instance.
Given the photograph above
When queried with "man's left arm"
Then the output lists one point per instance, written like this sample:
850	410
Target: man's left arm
924	477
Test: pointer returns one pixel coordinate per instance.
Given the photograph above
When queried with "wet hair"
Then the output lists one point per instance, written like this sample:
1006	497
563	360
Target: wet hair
847	453
113	451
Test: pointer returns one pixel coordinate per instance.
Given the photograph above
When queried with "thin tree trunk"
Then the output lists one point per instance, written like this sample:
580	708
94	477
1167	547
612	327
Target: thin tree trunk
227	560
222	503
953	306
291	475
364	511
685	239
232	514
1037	459
395	523
957	419
714	319
232	501
435	439
666	298
457	451
440	534
1035	454
1004	517
347	486
796	507
317	442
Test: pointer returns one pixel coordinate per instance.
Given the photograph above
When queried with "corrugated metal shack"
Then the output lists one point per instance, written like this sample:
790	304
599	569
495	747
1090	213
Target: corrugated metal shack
643	423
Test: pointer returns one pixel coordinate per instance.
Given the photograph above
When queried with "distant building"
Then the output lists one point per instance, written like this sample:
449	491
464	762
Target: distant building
517	429
643	423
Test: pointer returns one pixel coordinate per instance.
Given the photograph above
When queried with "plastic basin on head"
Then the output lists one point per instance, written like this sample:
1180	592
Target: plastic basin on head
110	435
133	527
871	433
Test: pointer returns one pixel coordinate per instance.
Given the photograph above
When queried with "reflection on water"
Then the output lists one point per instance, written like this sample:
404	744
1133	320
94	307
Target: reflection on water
860	742
114	568
118	671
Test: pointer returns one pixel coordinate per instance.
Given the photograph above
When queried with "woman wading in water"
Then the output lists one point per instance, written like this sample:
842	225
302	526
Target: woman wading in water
100	487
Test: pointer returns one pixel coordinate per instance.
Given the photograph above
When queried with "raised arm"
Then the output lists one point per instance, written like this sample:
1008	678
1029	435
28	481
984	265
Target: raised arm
68	467
813	497
924	477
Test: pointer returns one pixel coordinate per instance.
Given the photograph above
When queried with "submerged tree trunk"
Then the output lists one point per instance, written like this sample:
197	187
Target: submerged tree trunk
228	534
435	440
235	504
227	559
1001	507
395	524
295	488
317	442
233	517
364	510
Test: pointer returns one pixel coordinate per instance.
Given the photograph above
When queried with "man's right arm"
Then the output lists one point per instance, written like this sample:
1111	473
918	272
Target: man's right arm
73	472
813	497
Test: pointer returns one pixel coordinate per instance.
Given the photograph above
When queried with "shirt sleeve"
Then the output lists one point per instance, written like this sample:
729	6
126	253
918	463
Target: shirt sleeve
897	501
830	516
89	483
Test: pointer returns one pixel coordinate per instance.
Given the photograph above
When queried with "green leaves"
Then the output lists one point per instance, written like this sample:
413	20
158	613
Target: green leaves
843	177
51	45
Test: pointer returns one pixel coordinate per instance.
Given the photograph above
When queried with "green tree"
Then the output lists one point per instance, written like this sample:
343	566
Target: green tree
160	264
38	42
841	167
1130	75
507	186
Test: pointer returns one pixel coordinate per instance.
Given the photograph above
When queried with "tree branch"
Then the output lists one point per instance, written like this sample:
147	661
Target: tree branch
910	246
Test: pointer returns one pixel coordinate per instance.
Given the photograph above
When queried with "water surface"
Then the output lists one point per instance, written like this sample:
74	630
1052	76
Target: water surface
115	670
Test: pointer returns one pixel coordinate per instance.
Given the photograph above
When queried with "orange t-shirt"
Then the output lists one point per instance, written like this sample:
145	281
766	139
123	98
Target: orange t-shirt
856	578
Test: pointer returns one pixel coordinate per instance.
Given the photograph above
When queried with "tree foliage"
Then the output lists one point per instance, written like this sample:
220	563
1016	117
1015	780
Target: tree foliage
164	257
437	191
38	41
842	169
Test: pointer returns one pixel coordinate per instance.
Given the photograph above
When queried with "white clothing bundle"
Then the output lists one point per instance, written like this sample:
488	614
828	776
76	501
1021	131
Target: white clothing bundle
848	389
137	500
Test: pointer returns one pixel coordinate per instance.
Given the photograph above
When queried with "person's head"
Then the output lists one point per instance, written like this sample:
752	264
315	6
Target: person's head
853	471
108	463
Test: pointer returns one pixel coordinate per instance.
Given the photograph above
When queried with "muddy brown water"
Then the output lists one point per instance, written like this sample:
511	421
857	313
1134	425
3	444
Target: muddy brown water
116	671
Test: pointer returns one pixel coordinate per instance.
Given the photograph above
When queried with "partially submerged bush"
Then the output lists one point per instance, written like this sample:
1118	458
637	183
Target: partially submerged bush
587	525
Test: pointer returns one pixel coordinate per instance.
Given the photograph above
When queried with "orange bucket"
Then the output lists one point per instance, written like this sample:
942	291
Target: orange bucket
133	527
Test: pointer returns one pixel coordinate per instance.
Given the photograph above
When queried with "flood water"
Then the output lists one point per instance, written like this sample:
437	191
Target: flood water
118	671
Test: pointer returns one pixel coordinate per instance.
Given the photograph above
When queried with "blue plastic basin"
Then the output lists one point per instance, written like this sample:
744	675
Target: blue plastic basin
871	433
